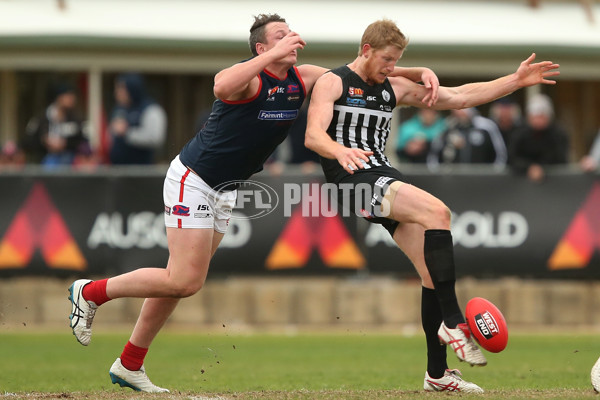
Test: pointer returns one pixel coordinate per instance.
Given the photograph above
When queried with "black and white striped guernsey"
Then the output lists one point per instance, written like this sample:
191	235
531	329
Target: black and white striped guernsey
362	118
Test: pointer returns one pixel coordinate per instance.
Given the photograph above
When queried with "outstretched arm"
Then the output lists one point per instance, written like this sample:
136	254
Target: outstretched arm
474	94
320	112
528	74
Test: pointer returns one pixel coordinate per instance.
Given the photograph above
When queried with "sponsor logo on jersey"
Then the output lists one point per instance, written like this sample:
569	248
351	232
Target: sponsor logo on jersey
293	88
355	102
293	98
181	210
355	92
277	115
273	91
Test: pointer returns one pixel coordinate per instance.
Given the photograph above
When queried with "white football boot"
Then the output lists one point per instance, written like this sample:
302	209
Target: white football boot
82	312
596	376
136	380
462	343
450	382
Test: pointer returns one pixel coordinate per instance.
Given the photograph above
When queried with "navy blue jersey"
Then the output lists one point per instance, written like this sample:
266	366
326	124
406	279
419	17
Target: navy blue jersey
362	118
239	136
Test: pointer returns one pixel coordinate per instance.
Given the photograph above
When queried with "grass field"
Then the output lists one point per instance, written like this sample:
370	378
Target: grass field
305	366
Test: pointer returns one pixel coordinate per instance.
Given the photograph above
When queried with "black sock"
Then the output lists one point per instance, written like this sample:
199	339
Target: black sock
431	318
439	257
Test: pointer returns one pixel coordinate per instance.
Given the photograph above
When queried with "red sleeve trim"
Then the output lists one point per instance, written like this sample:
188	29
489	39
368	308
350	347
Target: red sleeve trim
300	78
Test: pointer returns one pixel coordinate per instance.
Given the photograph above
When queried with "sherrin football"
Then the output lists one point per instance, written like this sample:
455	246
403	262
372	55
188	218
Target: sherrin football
487	324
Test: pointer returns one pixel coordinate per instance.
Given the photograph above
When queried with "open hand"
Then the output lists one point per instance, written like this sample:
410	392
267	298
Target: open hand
530	74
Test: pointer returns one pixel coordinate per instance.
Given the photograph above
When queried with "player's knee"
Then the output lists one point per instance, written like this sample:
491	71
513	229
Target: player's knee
439	216
186	289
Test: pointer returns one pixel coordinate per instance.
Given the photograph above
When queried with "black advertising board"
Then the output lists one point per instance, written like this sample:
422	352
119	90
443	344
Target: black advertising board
101	224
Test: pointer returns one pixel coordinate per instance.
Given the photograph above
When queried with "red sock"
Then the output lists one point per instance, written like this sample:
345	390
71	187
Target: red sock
96	291
133	356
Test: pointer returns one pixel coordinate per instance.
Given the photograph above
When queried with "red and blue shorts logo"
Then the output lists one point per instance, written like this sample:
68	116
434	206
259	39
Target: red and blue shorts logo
181	210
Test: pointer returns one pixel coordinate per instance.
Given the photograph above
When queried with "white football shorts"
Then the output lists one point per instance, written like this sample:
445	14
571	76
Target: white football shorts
192	203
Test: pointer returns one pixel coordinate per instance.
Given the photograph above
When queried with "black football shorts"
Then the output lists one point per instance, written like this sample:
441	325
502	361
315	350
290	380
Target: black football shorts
362	194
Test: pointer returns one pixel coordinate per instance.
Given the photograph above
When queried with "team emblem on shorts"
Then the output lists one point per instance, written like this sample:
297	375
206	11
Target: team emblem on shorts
181	210
366	214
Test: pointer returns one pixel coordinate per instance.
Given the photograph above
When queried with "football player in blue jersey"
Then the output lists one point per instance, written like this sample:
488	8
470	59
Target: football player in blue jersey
257	101
348	124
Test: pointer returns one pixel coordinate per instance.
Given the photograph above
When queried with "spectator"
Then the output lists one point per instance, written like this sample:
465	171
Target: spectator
468	139
416	134
506	113
540	142
591	161
137	124
11	156
54	137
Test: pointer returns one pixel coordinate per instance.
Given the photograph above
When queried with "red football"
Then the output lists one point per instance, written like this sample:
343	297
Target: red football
487	324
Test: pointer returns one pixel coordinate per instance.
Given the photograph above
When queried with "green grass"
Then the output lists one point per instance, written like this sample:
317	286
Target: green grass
326	366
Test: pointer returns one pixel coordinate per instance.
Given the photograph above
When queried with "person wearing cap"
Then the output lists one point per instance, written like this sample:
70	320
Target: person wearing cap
540	142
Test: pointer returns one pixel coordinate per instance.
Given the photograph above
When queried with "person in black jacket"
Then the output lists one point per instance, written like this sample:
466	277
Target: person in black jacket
468	139
539	143
54	137
138	124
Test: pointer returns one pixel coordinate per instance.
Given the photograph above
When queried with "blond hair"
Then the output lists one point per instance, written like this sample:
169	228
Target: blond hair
381	34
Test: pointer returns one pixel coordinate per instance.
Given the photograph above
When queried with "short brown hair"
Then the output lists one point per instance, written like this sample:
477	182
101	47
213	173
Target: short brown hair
383	33
257	30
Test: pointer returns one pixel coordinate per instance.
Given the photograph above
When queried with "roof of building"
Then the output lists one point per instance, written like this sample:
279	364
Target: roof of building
200	34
